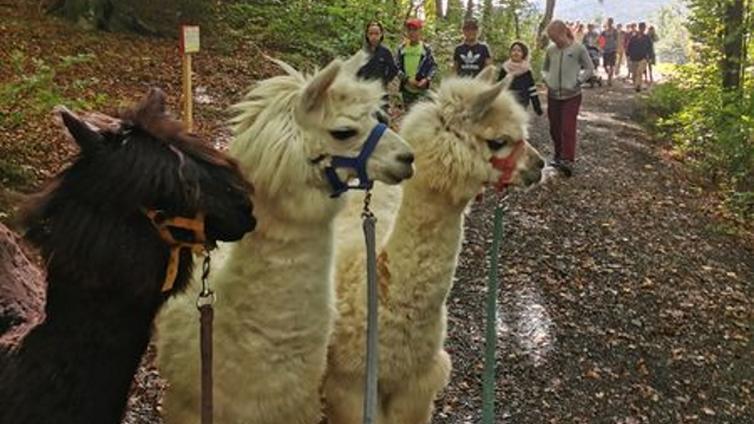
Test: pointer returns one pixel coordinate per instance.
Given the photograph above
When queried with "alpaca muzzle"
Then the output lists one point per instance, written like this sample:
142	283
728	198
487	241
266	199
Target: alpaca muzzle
193	226
359	164
507	165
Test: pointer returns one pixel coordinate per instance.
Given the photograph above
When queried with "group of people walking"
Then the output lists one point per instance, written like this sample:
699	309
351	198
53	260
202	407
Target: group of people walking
567	65
635	43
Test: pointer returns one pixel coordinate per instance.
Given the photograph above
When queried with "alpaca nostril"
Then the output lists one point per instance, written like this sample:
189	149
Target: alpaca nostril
407	158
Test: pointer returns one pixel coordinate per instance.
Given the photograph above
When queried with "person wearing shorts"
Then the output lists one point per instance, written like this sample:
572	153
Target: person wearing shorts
621	49
610	50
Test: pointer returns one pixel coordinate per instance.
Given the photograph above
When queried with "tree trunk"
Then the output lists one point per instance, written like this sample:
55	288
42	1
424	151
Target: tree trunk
22	298
541	36
106	15
469	9
438	10
78	11
733	44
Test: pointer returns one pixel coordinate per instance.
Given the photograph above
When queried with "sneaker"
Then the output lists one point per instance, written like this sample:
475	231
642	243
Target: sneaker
566	168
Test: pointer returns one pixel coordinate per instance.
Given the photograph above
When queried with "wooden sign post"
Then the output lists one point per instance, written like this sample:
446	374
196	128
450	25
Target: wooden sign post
189	45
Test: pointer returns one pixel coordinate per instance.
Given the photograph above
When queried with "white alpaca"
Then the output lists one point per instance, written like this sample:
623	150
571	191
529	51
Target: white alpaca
454	136
275	307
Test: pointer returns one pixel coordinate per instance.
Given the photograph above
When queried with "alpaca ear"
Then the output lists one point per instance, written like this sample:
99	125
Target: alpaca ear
155	101
316	91
484	100
355	62
487	74
88	139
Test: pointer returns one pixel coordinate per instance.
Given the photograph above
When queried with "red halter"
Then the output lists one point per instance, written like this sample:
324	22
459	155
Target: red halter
507	165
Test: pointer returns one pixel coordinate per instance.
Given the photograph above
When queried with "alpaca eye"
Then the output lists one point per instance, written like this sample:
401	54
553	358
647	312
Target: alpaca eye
343	134
496	145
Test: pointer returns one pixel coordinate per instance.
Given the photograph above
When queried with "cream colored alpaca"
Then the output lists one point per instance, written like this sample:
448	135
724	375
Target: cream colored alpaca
454	136
275	307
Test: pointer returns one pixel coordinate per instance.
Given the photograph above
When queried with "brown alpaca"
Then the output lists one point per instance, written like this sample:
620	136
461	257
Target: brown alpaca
107	263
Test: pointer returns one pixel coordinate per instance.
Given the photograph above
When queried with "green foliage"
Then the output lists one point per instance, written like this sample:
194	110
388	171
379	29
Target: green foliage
35	93
309	32
673	45
14	175
712	129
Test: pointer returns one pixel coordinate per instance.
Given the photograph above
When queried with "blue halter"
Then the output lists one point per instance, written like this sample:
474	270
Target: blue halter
359	163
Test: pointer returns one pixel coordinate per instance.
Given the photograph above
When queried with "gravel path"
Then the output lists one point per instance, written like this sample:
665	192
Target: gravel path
622	300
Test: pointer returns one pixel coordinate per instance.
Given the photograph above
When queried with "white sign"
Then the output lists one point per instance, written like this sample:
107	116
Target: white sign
189	39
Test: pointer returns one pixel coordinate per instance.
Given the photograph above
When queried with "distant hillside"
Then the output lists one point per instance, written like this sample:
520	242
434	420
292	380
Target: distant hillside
622	10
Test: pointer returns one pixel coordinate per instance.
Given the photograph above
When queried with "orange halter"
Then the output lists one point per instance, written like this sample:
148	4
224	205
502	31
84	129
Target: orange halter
198	246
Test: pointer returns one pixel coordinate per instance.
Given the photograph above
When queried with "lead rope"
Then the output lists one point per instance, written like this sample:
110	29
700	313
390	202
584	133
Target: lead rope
206	315
370	387
490	343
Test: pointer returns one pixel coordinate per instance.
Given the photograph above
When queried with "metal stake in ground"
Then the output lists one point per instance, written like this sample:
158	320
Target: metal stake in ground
370	387
490	343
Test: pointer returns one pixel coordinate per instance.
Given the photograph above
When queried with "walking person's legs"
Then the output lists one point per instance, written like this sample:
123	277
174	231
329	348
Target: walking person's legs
618	63
609	64
555	116
639	67
570	113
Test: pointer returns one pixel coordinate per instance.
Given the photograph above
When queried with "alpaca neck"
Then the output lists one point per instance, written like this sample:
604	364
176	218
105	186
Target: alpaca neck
287	261
426	230
77	365
103	293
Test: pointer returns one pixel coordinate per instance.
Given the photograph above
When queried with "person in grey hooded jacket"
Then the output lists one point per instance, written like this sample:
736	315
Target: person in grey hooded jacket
563	75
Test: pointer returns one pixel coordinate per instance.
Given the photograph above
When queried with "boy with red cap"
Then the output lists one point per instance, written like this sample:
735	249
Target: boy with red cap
416	66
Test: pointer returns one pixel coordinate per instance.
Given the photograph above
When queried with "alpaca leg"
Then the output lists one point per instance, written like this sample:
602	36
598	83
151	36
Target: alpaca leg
275	408
413	402
344	399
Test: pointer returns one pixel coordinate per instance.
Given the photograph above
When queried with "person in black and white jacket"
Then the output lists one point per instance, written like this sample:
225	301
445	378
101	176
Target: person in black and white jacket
518	71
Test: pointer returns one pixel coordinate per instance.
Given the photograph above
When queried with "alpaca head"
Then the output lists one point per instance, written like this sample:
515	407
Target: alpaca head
140	161
472	134
289	127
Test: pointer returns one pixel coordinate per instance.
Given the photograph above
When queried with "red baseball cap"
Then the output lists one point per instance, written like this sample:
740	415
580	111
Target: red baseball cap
414	23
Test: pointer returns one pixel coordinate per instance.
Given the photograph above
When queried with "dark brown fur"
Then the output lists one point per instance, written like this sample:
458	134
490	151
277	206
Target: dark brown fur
106	262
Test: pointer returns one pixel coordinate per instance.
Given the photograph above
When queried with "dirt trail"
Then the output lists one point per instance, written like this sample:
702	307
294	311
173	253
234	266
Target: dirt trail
622	299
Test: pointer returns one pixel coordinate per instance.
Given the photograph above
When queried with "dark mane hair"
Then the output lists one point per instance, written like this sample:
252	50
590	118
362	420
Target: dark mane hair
89	205
107	263
150	116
